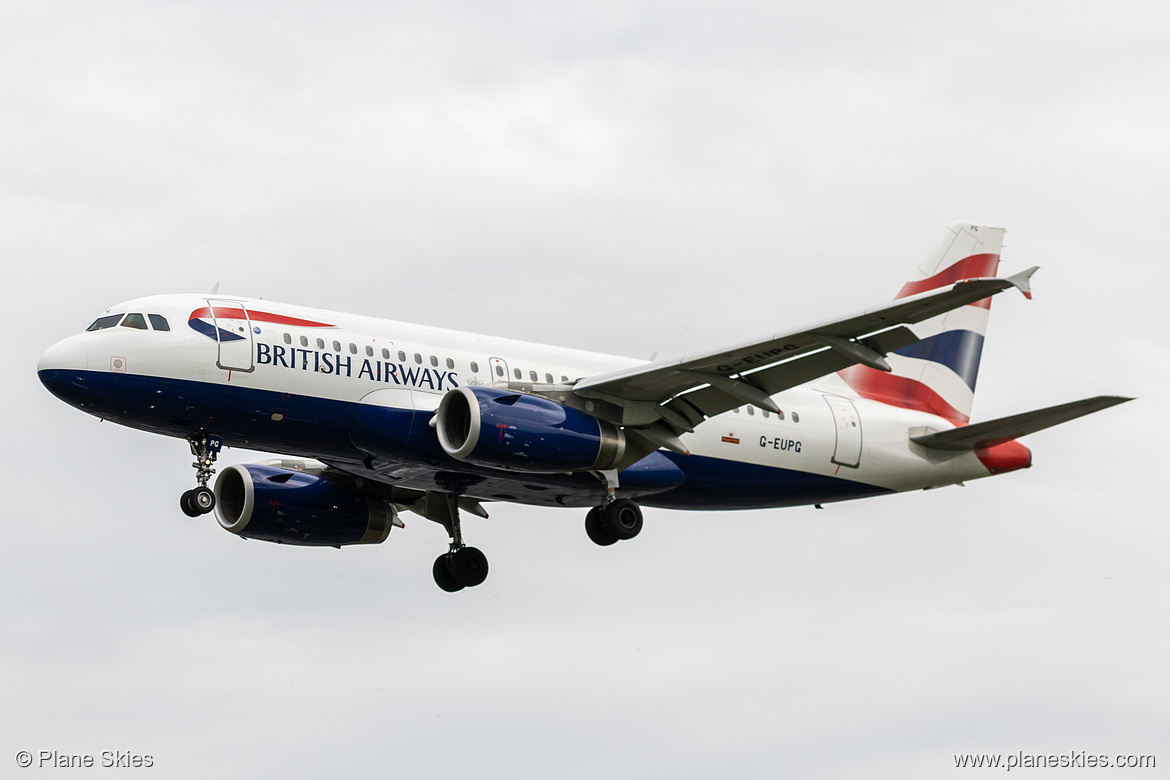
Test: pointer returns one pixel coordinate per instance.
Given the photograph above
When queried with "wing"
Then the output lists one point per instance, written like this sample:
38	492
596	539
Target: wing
662	400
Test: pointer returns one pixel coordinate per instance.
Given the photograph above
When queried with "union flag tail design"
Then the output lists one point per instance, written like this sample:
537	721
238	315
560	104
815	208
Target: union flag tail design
938	374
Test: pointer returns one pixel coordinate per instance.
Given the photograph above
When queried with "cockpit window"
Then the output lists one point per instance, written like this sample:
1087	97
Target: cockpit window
158	322
101	323
136	321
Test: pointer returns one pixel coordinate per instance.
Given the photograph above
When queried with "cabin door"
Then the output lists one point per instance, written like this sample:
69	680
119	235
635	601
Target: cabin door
233	329
848	424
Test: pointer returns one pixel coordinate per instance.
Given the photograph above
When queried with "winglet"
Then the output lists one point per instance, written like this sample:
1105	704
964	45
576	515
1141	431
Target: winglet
1022	280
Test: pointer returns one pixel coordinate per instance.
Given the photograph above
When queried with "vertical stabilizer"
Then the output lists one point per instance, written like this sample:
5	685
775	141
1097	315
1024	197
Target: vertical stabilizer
938	374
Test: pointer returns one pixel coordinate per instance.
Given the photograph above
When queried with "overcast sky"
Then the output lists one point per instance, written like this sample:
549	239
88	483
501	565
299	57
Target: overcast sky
622	177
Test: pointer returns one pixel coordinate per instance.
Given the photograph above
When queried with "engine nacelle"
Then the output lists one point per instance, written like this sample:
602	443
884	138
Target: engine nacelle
292	507
501	429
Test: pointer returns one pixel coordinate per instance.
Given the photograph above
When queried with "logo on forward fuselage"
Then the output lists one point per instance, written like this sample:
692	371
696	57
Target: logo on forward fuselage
211	322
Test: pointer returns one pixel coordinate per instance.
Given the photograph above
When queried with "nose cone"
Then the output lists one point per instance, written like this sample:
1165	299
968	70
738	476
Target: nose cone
57	369
69	353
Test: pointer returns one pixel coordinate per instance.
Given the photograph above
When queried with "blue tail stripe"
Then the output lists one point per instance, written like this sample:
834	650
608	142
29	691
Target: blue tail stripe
958	350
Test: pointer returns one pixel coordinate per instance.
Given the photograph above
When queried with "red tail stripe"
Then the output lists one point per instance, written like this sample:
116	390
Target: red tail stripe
972	267
900	391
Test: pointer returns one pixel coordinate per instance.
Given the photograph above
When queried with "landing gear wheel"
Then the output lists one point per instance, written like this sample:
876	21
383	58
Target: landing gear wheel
468	566
622	518
187	505
197	501
443	577
203	499
597	531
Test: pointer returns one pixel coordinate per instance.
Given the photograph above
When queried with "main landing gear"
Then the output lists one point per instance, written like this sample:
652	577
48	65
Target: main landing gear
461	566
200	500
614	521
617	519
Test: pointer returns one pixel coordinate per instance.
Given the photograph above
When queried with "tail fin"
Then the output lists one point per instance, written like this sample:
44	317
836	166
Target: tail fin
938	374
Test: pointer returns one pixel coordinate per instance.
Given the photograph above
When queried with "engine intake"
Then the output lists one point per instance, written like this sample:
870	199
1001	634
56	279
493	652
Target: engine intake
497	428
292	507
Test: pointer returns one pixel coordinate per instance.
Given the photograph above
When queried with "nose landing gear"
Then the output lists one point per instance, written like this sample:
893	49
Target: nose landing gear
200	500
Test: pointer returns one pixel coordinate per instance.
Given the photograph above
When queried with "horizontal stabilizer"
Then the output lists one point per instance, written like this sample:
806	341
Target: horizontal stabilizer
989	434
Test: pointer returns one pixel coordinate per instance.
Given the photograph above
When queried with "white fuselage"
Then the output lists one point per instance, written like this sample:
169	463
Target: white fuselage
294	358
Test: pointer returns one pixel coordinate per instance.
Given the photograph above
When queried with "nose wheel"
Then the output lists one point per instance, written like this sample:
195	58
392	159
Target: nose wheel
197	501
201	499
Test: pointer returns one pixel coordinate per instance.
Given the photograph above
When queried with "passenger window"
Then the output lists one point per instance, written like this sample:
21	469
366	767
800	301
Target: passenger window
517	374
336	346
499	370
304	341
287	339
474	367
352	348
564	379
736	410
158	322
766	415
548	378
401	356
418	358
385	354
795	417
780	415
450	363
434	361
369	351
101	323
136	321
751	410
320	343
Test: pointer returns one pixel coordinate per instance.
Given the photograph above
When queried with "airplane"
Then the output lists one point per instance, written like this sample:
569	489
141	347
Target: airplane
372	418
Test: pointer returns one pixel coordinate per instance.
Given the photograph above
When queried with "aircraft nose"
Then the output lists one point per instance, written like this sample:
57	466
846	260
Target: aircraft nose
70	353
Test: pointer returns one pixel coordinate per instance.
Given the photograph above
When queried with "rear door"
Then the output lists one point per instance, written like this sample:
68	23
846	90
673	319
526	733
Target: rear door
848	424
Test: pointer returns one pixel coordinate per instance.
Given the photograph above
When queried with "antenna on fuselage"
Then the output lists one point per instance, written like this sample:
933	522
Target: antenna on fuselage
214	289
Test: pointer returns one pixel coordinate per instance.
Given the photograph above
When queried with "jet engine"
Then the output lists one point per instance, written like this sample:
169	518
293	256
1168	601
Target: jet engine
497	428
293	507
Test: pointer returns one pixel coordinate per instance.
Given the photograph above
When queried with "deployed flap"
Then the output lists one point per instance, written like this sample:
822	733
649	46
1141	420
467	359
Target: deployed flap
782	360
993	432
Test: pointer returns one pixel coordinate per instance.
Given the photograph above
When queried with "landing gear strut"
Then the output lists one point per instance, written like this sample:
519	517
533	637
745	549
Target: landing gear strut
461	566
200	500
